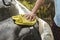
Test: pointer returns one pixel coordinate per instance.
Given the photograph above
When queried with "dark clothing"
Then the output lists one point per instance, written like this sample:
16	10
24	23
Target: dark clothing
56	31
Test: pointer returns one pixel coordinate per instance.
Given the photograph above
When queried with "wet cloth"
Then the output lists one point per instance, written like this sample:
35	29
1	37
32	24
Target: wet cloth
21	20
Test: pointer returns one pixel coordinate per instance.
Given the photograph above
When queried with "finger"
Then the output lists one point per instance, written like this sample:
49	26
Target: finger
25	15
33	18
30	19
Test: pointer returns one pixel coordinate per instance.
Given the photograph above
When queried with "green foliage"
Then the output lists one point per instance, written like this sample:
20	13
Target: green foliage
46	10
29	4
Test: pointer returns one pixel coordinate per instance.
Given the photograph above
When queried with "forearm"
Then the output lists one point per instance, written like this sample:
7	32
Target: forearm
37	4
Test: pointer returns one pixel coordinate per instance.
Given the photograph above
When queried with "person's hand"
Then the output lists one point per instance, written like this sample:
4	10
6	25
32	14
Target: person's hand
30	16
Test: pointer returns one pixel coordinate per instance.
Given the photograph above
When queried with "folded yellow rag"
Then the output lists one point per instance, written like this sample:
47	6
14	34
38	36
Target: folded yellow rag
21	20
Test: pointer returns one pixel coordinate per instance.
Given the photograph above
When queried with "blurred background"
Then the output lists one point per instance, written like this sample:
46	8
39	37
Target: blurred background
46	10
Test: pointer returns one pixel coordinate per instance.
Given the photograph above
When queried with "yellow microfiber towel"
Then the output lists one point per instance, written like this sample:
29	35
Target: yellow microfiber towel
21	20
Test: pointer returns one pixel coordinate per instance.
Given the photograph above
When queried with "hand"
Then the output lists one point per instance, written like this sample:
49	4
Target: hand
30	16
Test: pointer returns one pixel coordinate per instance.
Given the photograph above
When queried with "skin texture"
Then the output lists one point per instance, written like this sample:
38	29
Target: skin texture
31	16
8	29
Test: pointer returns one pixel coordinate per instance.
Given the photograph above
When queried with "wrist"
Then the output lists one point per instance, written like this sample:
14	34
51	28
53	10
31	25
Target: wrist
33	12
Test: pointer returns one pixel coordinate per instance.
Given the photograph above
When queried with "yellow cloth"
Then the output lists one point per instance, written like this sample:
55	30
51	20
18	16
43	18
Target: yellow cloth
21	20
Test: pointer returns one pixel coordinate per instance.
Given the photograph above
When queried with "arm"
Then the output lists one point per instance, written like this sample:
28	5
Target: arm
37	4
31	16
